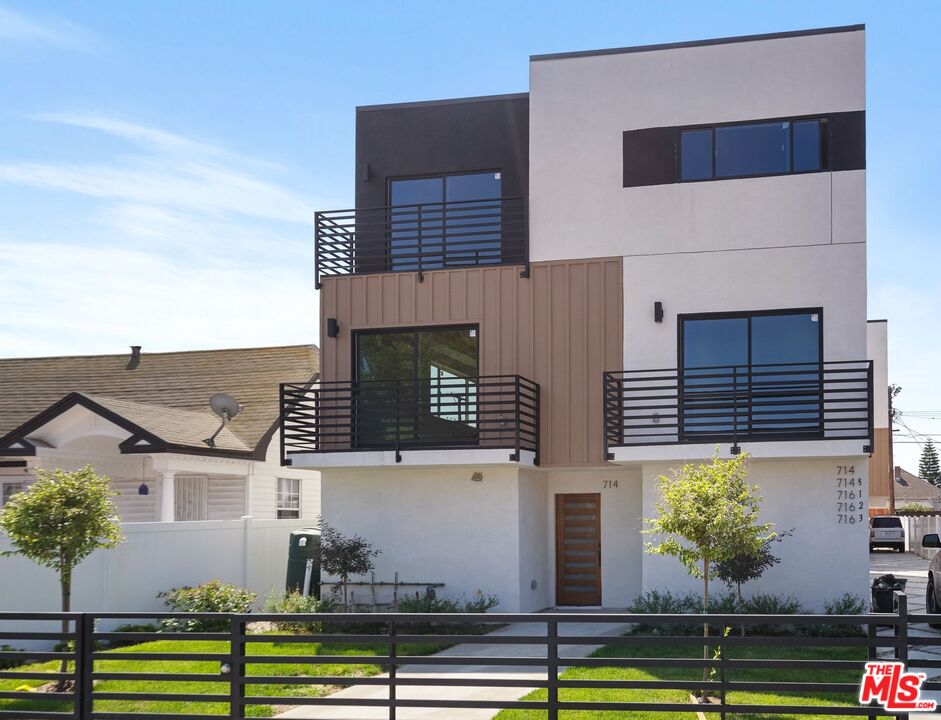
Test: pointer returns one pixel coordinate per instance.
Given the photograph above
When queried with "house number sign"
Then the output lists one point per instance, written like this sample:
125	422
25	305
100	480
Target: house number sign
850	496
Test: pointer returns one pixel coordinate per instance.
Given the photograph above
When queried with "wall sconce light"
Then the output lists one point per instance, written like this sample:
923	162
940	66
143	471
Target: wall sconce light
367	172
477	477
333	328
658	311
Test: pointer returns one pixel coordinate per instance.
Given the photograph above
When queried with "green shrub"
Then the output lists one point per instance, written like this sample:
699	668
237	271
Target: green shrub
294	602
764	604
846	604
211	597
432	604
6	664
914	507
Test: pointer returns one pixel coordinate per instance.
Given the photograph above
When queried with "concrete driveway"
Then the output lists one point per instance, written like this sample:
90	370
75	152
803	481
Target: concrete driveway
915	570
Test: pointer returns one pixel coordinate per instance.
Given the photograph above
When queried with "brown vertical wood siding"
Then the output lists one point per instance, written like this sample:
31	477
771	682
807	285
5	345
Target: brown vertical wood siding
879	471
562	328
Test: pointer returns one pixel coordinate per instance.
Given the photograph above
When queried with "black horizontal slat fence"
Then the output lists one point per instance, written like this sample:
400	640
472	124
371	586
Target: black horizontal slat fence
420	237
481	412
236	685
769	402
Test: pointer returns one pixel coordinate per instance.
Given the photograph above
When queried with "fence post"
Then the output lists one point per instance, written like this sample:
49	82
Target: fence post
552	668
237	668
84	664
392	669
901	635
722	679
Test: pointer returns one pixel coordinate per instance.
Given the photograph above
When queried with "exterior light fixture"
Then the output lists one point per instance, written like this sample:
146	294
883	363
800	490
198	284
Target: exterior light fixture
143	489
658	312
333	328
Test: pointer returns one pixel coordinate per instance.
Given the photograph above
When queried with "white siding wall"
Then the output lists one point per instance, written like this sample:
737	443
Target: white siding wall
226	497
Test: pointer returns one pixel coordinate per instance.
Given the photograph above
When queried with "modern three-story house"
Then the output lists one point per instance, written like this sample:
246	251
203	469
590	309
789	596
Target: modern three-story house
544	301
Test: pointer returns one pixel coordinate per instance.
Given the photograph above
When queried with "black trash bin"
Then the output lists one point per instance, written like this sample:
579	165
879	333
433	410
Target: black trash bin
883	589
303	573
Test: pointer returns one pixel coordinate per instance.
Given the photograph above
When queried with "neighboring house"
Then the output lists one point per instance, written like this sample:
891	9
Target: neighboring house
911	489
544	301
143	419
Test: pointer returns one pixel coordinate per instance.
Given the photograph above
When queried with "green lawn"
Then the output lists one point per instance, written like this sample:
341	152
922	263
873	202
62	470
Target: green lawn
197	666
682	696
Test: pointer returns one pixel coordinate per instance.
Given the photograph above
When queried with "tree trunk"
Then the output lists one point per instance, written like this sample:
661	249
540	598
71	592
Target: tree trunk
65	584
741	606
705	627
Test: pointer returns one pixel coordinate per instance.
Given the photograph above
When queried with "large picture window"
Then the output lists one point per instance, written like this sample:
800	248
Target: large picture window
416	385
447	220
754	374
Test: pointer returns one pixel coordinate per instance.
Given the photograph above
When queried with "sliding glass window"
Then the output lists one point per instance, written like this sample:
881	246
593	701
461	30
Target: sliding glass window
740	150
417	385
751	374
445	221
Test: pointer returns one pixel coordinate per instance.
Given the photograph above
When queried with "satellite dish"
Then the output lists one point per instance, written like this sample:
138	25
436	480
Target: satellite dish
226	407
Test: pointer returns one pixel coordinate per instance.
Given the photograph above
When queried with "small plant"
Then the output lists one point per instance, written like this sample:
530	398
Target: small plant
211	597
846	604
747	566
655	602
344	556
294	602
430	603
765	604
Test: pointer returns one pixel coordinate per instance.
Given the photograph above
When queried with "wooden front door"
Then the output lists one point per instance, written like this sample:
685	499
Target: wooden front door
578	549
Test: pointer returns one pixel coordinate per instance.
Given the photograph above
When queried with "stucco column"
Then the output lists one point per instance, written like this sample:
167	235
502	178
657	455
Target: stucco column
167	497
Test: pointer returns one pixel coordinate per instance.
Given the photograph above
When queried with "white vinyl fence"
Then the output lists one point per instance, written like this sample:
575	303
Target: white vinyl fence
915	527
156	557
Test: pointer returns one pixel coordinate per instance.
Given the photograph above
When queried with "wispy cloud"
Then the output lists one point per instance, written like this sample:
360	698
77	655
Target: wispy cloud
175	242
49	30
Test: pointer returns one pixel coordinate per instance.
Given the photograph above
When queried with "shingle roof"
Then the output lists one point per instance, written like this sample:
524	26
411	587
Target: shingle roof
912	487
167	393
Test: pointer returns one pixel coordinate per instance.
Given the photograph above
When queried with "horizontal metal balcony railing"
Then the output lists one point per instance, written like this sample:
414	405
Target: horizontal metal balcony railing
768	402
422	237
485	412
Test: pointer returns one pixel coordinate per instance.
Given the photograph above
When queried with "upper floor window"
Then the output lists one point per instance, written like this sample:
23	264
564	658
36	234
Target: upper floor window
445	220
747	149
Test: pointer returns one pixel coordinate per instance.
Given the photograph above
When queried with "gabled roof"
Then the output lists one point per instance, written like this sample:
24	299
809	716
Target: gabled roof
166	395
912	487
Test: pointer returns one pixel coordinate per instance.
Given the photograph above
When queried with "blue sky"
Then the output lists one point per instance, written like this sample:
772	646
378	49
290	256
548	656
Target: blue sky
160	162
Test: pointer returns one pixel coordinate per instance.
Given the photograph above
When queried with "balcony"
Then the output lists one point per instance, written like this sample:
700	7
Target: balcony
419	238
646	411
363	423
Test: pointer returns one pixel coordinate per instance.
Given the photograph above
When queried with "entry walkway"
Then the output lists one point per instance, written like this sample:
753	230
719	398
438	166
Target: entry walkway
524	674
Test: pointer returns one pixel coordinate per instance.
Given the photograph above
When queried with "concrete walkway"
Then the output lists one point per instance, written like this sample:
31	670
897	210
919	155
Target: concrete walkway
525	675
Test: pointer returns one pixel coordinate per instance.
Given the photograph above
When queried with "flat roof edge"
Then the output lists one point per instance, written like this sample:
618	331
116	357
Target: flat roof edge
446	101
699	43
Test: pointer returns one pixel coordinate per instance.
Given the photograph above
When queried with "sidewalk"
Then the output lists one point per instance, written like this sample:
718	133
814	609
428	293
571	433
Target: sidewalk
524	674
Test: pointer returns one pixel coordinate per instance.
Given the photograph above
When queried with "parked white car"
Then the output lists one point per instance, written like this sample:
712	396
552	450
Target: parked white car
886	531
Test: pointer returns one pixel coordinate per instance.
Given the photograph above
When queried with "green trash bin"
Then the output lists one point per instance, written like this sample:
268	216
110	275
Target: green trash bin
304	562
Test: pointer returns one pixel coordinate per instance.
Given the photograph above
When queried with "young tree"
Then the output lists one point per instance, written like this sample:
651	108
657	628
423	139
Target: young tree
928	465
60	520
708	514
746	567
344	556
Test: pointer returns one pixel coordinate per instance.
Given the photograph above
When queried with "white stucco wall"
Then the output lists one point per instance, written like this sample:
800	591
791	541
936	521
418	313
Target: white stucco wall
823	559
877	350
579	108
621	541
435	525
828	276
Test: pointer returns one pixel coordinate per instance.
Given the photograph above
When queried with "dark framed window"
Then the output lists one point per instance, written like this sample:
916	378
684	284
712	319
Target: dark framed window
739	150
751	374
447	220
416	385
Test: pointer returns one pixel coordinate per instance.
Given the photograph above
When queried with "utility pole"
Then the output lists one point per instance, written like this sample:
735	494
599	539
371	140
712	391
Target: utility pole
891	455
